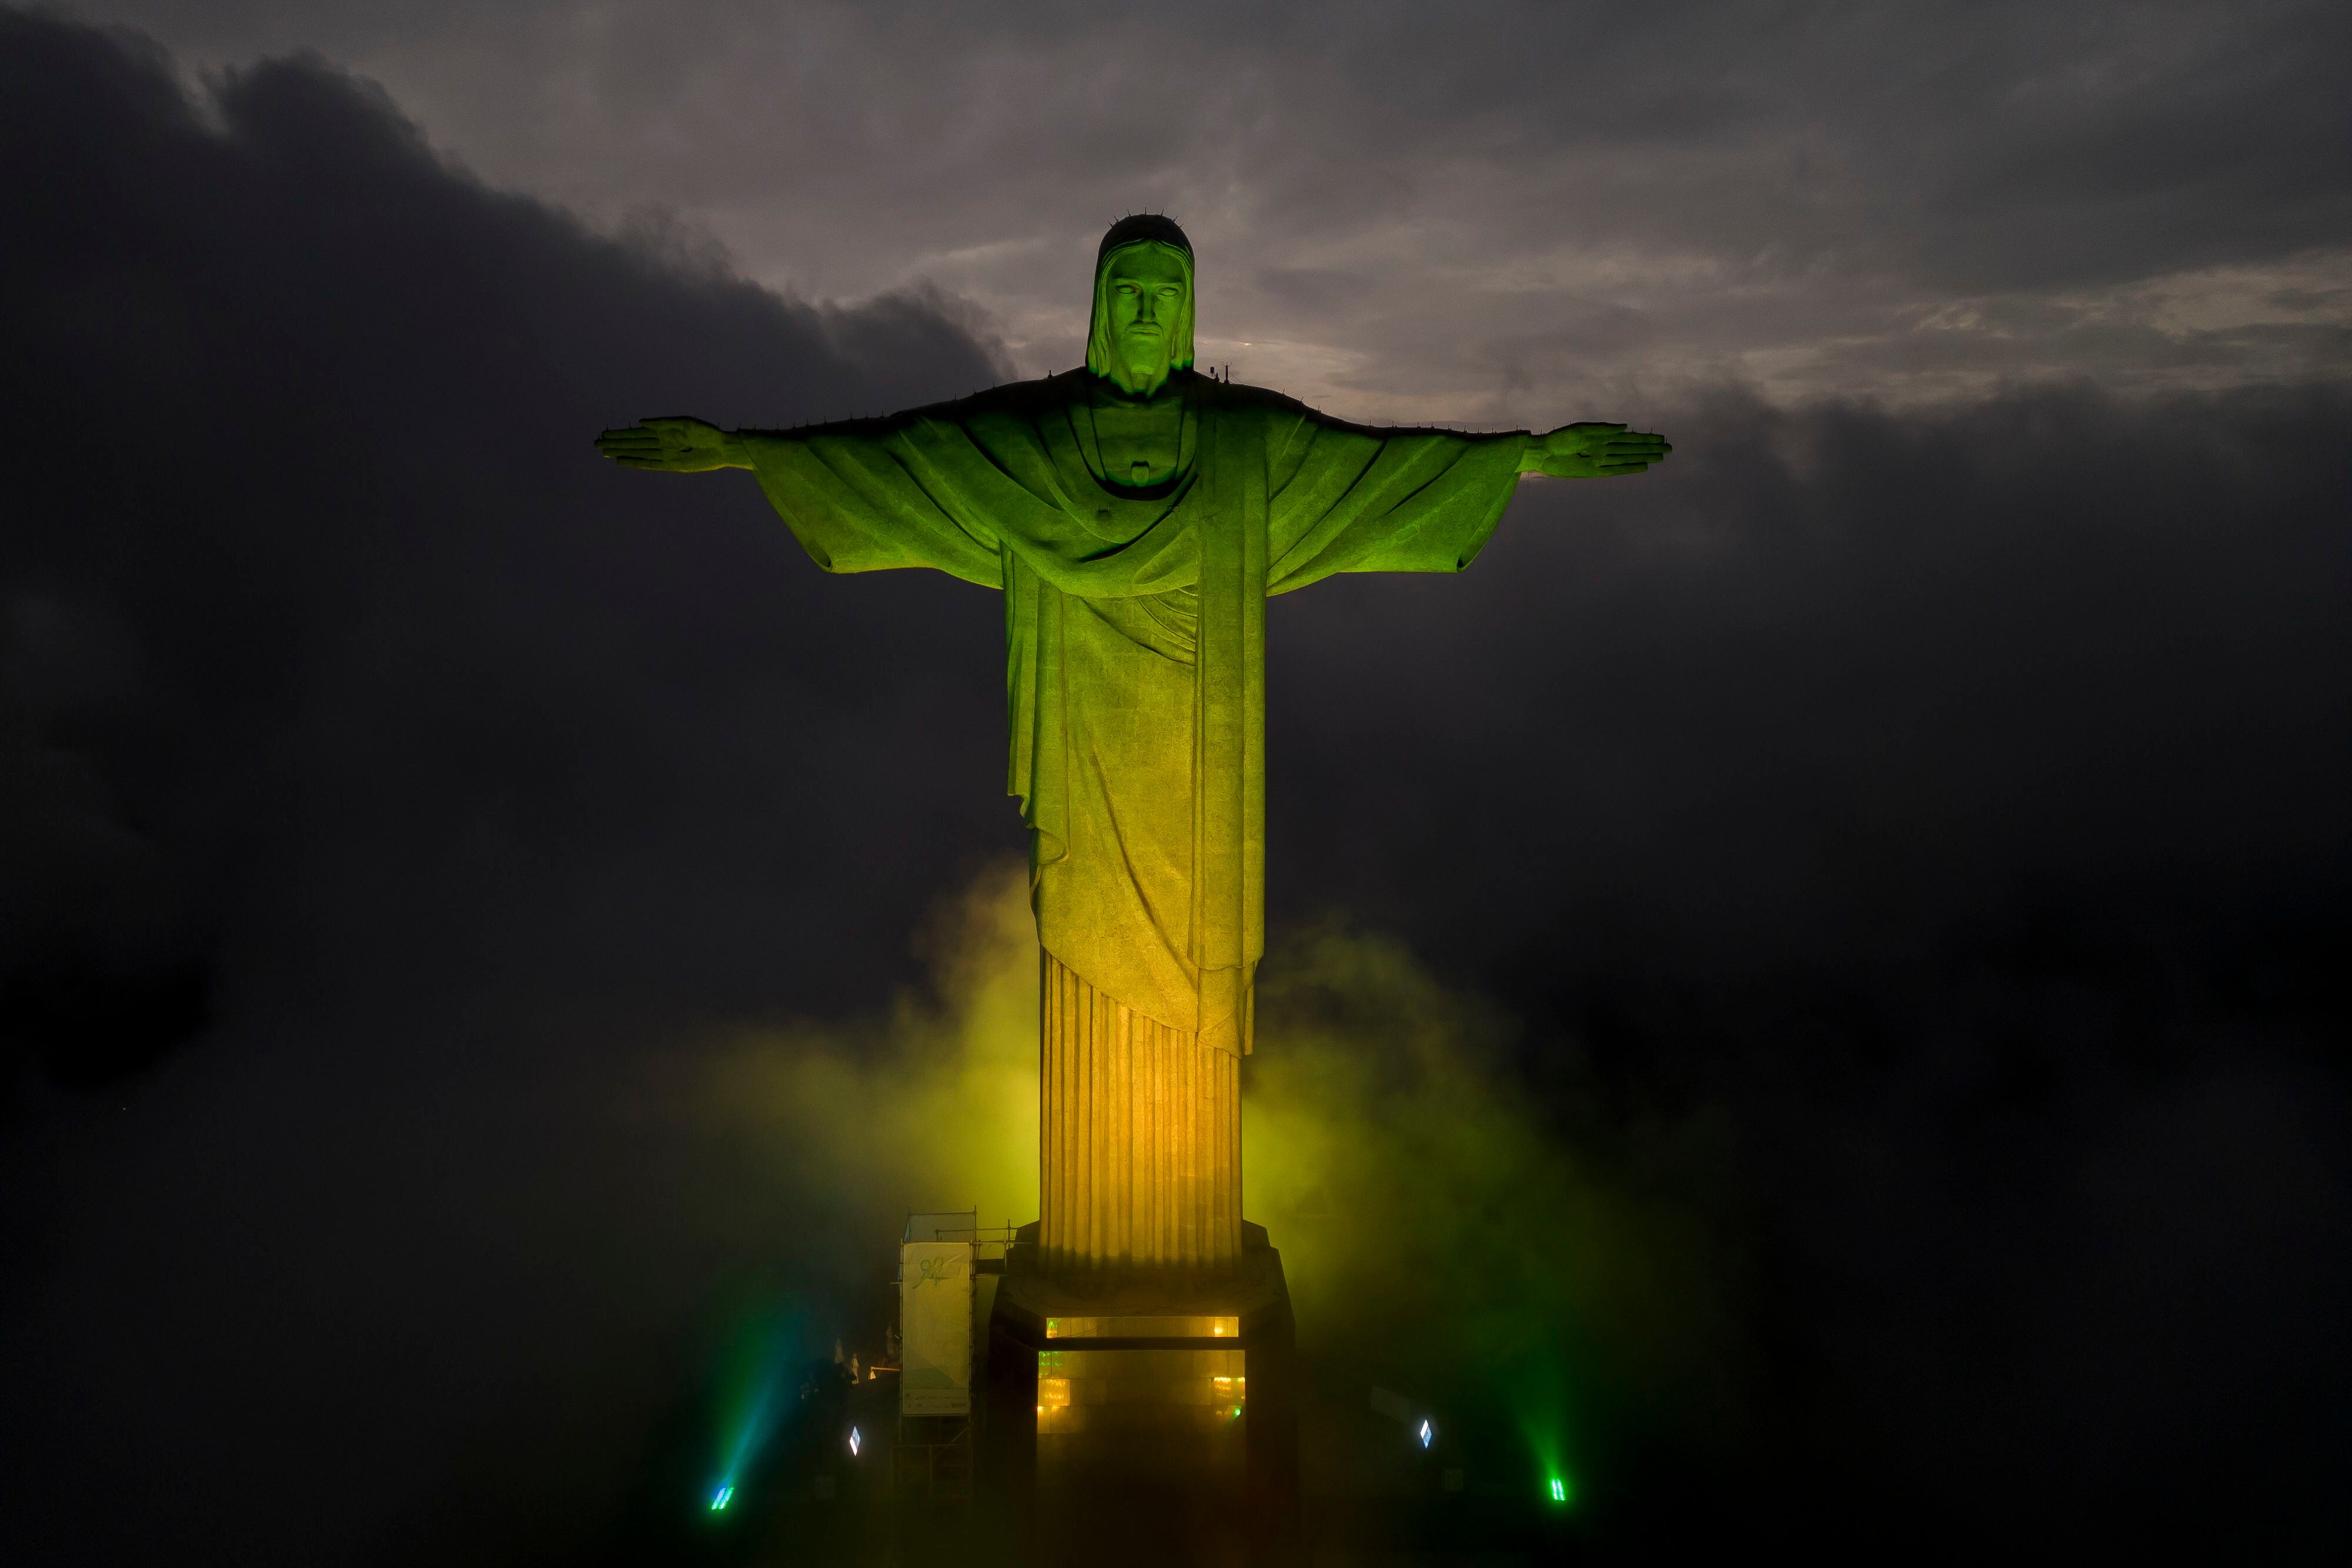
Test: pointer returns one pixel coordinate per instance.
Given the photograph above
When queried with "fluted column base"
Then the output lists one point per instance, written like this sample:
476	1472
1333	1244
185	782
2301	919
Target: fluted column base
1141	1139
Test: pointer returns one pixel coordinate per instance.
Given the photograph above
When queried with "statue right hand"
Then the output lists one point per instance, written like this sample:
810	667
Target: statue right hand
679	444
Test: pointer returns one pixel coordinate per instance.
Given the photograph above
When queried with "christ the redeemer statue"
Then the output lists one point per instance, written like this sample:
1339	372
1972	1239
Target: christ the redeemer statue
1136	515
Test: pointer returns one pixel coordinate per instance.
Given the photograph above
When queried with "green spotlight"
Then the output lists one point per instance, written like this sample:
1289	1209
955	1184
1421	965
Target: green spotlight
1559	1491
719	1499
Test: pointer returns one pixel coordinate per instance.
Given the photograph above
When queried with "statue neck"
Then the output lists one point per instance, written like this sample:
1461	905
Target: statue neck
1138	441
1140	381
1117	391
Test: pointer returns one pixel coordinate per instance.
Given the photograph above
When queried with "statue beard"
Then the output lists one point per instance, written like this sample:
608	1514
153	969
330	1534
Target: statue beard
1144	360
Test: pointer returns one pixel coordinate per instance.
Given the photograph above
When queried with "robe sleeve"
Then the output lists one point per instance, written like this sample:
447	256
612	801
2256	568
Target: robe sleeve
1351	497
879	494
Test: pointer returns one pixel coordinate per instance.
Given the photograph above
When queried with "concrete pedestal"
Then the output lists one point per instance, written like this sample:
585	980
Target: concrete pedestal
1129	1410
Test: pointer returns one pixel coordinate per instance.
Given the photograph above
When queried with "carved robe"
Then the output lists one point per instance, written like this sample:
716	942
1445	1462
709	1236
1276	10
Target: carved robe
1134	620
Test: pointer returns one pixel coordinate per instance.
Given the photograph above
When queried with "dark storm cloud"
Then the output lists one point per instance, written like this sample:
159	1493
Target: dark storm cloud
1915	843
311	413
1824	199
1845	644
1956	808
349	697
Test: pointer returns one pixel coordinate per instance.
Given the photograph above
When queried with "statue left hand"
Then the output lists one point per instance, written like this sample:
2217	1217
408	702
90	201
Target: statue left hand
1592	450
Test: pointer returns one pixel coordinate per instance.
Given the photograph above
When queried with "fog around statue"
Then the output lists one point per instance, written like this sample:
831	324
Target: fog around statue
1137	516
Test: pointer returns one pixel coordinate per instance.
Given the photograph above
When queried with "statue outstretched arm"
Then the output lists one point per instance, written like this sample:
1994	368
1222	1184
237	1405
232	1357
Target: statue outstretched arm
678	444
1592	450
856	494
1351	497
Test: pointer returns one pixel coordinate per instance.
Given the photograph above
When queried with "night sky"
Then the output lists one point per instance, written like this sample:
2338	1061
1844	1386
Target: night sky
1897	851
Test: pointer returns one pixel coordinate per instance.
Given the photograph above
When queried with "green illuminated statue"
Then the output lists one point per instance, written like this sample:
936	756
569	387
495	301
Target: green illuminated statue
1136	514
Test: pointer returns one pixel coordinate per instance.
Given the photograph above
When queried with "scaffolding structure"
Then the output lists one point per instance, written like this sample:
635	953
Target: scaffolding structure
940	1257
932	1461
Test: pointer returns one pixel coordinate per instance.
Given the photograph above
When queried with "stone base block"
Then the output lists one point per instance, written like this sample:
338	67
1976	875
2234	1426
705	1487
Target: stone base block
1117	1396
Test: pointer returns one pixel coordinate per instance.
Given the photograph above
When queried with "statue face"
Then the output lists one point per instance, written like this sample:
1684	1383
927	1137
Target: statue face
1145	291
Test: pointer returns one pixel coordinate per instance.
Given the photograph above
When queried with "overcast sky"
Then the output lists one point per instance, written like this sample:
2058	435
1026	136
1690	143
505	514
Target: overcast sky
1902	841
1513	213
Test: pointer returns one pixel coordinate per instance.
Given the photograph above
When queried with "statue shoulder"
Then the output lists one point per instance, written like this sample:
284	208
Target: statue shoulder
1027	398
1270	415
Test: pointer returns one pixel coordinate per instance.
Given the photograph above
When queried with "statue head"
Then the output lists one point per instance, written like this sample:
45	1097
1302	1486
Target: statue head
1142	327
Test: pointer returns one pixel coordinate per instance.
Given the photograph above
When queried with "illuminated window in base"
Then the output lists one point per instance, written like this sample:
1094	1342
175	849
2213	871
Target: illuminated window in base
1145	1326
1145	1411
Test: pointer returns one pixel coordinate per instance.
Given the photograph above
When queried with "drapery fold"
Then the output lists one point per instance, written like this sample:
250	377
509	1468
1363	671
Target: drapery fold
1139	1136
1135	633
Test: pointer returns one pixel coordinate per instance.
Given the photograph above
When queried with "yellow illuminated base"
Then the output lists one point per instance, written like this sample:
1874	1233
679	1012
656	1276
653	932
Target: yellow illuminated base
1156	1412
1116	1395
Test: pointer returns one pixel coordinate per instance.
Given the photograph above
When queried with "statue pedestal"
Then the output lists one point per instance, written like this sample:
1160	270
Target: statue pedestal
1131	1408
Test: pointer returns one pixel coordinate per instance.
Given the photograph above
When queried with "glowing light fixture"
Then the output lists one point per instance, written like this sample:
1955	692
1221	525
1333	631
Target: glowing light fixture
1558	1490
1428	1434
719	1499
853	1442
1145	1325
